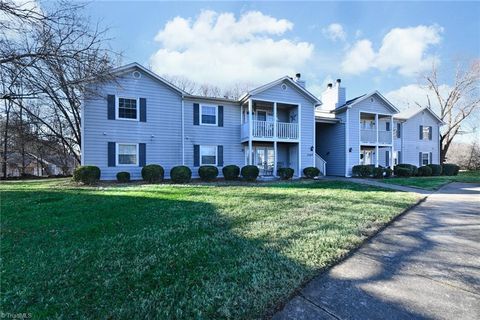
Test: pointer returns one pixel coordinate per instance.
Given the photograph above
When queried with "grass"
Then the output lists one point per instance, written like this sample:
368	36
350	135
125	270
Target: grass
434	183
166	251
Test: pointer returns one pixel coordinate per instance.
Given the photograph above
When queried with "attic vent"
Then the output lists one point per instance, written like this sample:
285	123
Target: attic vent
284	86
371	99
136	74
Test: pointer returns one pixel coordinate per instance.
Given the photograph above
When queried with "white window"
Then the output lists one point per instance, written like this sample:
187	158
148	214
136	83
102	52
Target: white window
208	115
425	133
127	109
425	159
127	154
208	155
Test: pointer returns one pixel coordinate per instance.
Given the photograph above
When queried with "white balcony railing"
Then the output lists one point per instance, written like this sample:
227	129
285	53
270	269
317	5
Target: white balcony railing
265	129
370	136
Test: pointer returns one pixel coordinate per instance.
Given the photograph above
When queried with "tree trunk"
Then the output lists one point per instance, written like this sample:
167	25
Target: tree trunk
8	105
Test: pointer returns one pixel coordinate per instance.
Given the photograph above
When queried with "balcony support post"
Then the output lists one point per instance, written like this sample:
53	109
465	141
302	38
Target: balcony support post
376	127
275	157
391	142
376	156
250	131
275	121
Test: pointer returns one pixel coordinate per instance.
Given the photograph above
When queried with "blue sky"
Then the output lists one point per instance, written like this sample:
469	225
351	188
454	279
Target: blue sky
381	46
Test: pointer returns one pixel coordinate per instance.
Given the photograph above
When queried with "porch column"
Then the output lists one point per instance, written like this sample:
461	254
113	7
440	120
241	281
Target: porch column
275	120
392	142
376	155
376	127
250	131
275	158
391	157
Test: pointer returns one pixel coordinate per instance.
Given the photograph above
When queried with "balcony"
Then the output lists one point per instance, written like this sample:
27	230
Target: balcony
370	136
266	130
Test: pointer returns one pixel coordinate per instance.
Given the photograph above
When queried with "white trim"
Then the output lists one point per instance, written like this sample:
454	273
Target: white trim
250	131
347	142
183	130
117	154
82	133
216	115
200	155
117	107
299	107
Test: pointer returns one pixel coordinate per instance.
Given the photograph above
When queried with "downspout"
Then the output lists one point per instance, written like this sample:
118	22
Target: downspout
183	130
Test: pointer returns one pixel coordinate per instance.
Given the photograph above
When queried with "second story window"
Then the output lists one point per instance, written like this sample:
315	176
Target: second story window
208	115
127	109
425	133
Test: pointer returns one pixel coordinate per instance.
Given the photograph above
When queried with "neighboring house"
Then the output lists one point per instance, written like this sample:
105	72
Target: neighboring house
142	119
34	165
370	130
417	137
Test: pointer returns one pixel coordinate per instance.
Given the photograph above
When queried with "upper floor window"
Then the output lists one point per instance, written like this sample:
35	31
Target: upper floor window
208	155
425	133
127	154
208	115
397	132
127	109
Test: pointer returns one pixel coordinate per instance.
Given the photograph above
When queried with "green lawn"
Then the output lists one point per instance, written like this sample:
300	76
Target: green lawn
165	251
434	183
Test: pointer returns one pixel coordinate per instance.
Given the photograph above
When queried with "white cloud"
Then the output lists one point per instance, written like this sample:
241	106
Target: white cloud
360	58
335	32
408	96
402	49
217	48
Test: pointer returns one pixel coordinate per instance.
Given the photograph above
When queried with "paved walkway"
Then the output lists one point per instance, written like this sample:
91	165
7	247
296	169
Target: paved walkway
426	265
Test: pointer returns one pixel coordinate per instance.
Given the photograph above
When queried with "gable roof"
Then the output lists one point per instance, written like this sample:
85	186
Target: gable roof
150	73
410	113
361	98
269	85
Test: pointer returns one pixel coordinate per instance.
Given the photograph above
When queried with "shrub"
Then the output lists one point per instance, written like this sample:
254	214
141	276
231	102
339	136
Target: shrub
436	169
378	172
413	169
231	172
87	174
152	173
208	173
250	173
424	171
388	172
123	177
181	174
311	172
403	172
285	173
363	170
450	169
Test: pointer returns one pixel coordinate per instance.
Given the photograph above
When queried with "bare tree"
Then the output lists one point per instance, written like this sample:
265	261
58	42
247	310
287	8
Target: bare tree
459	104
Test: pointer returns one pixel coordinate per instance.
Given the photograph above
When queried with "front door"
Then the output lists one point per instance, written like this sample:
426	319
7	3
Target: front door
366	157
264	159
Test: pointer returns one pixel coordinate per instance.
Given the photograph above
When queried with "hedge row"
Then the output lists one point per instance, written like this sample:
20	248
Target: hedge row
369	170
154	173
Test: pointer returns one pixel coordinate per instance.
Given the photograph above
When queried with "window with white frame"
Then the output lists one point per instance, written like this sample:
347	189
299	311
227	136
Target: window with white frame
127	154
127	108
425	133
208	155
425	158
208	115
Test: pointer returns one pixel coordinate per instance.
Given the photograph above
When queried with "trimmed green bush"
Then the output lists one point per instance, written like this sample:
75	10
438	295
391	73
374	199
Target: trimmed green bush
363	170
413	169
311	172
403	172
87	174
208	173
436	169
181	174
388	172
378	172
285	173
152	173
250	173
450	169
424	171
231	172
123	177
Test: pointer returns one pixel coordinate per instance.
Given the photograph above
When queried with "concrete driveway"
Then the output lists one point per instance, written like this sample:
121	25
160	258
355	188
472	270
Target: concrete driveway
426	265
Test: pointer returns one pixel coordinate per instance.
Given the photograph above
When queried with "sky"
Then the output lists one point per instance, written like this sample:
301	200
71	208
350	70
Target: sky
385	46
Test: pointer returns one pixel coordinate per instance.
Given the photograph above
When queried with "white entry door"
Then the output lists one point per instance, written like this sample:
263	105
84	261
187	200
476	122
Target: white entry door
264	159
366	157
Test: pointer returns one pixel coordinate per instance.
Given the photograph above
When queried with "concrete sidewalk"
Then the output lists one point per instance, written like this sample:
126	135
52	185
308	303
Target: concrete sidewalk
426	265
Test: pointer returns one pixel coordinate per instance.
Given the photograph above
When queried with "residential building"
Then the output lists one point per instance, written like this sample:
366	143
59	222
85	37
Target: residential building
140	118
